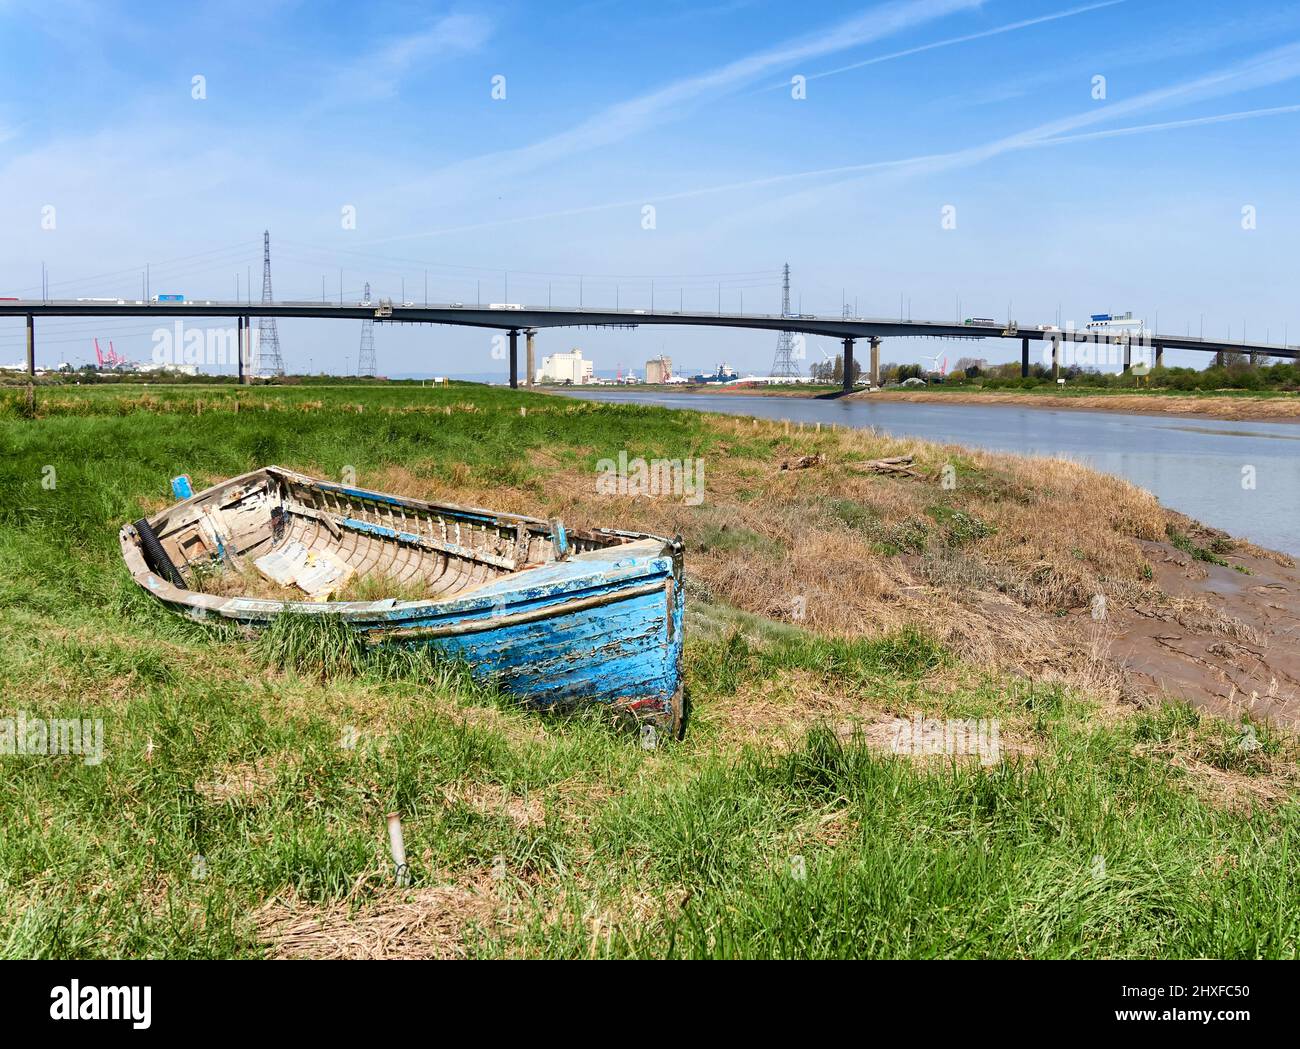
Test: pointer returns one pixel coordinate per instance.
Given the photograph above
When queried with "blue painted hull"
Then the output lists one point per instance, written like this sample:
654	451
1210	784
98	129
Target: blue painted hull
573	619
612	637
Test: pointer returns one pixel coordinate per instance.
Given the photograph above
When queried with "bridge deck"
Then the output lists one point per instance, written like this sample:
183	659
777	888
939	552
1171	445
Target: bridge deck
540	317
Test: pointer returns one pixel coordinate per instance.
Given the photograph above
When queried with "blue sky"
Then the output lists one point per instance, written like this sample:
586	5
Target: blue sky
1063	201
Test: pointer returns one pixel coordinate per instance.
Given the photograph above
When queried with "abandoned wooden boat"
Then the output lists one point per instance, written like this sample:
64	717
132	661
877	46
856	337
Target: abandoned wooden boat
556	617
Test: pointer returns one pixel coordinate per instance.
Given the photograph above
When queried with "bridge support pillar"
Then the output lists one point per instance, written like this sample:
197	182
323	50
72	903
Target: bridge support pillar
1128	356
1056	358
529	360
239	349
1024	357
250	365
848	366
31	344
514	358
875	362
1160	356
1218	359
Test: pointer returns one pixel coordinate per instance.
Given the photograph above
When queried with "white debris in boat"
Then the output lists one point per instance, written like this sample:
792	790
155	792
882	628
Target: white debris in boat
316	573
323	575
282	566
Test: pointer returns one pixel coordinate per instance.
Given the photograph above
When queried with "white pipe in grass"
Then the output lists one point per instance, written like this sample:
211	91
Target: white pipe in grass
398	847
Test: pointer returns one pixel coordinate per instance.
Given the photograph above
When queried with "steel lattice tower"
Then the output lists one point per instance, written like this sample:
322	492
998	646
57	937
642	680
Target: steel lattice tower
269	361
366	363
783	365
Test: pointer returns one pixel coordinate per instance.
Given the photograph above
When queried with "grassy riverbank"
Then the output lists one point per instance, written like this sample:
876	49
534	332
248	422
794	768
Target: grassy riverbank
239	808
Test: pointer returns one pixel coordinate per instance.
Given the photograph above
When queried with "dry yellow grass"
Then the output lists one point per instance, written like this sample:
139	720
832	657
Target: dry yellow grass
1047	536
398	923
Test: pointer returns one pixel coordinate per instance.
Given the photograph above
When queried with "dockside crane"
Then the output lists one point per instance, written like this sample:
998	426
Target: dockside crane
110	360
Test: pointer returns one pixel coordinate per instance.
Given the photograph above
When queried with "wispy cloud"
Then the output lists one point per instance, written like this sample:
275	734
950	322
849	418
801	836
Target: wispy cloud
1268	68
1180	40
1010	27
379	72
1272	67
633	116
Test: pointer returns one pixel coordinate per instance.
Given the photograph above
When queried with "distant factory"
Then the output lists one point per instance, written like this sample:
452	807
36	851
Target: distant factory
658	370
566	369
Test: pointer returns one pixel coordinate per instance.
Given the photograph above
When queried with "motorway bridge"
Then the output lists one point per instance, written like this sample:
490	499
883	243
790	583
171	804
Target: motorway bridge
529	319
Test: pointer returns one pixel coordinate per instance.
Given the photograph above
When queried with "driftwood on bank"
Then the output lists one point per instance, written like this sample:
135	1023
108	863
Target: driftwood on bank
894	465
803	462
897	464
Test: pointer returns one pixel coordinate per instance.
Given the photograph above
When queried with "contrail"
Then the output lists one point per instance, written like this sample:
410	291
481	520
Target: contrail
1278	65
1142	129
847	169
1272	67
1009	28
632	116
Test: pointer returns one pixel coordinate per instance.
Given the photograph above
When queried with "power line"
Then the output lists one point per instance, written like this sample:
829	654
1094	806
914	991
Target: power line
135	271
496	270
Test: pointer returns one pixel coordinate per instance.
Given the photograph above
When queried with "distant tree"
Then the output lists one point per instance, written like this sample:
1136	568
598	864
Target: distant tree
823	371
832	370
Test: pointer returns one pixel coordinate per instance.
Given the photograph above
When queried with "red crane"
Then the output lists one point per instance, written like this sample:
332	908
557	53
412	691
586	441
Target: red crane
110	360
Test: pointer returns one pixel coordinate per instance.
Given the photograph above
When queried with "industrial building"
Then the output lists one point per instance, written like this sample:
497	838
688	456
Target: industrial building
566	368
658	370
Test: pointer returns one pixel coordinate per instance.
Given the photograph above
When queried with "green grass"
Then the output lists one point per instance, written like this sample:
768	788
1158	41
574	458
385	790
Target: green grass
243	769
1184	543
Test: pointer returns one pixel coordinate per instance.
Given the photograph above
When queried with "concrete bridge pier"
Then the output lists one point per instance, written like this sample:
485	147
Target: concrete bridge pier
1128	356
1024	357
1056	358
528	359
875	361
239	350
514	358
1160	356
31	344
848	366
